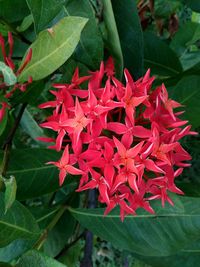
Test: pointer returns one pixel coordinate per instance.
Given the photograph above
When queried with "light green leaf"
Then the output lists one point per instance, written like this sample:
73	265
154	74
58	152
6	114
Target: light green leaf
162	234
26	23
34	258
8	74
10	192
53	47
16	223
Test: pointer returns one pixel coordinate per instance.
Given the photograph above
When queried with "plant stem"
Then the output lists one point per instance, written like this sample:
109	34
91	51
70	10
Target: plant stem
8	143
63	251
39	243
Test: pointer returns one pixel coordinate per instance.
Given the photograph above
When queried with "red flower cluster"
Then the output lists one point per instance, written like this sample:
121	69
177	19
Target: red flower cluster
122	139
5	89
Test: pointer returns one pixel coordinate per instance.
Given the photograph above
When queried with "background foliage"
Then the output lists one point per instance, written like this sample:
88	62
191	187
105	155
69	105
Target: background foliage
42	224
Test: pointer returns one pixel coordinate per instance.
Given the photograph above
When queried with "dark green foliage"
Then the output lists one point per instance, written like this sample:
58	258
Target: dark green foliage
43	224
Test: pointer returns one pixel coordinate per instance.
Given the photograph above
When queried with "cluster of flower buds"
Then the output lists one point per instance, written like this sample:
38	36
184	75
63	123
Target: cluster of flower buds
122	139
5	91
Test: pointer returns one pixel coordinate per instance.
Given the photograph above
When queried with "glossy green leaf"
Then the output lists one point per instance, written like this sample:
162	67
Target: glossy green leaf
90	48
34	258
130	35
8	74
159	57
44	11
112	38
34	178
162	234
8	10
53	47
16	223
187	92
10	192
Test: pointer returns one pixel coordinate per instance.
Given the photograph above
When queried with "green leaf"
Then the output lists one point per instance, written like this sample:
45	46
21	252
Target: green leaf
26	23
159	57
187	92
162	234
90	48
15	249
72	256
193	4
8	10
189	60
53	47
16	223
58	237
165	8
34	258
187	257
10	192
8	74
34	178
112	40
30	126
130	35
183	37
44	11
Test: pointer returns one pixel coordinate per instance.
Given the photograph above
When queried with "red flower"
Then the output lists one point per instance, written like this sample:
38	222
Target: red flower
64	166
7	92
124	138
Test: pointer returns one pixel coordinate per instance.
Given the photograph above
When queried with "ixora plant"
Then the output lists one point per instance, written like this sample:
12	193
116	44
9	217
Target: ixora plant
99	151
123	139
